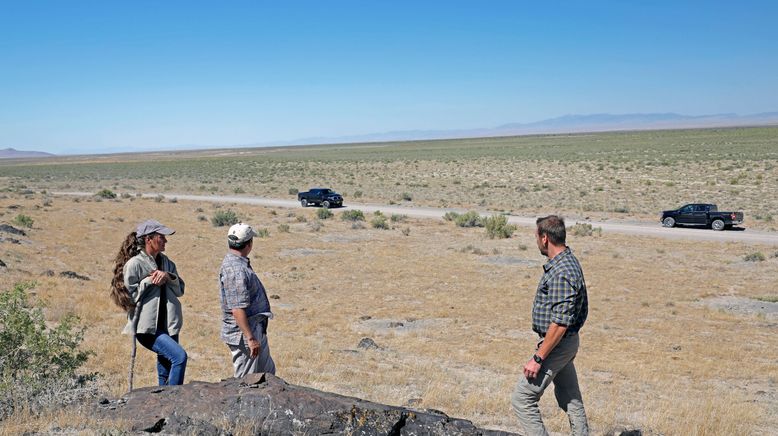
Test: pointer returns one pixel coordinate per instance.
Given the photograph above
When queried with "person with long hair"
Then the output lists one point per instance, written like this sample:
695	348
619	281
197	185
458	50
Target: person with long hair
147	286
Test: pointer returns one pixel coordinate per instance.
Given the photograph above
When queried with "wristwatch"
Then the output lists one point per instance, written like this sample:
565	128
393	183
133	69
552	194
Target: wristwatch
537	358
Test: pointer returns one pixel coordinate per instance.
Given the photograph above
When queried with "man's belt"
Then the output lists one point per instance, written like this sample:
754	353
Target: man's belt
567	333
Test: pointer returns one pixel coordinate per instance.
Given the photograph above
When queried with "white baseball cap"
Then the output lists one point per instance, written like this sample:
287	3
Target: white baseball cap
240	233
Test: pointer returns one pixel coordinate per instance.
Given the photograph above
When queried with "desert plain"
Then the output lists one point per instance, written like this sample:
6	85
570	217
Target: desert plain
681	335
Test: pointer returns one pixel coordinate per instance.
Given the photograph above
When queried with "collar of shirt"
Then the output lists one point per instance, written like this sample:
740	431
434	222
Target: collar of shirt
149	258
242	259
556	260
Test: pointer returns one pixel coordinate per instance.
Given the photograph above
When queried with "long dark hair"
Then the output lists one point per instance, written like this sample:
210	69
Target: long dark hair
119	293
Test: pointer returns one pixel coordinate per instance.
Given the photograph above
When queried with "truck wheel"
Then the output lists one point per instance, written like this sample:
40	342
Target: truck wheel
668	222
326	204
717	225
304	203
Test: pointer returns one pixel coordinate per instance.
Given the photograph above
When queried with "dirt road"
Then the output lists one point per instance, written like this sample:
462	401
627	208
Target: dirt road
631	228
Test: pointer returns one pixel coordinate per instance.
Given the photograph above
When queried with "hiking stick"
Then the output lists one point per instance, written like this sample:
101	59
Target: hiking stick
135	318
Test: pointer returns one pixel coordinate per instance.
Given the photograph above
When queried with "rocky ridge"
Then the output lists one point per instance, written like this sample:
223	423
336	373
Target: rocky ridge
267	405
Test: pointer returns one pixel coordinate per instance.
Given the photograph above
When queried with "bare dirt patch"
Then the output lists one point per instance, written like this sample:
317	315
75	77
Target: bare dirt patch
302	252
510	260
743	306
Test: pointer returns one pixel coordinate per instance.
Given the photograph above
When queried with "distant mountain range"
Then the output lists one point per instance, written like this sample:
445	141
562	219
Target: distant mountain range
12	153
563	124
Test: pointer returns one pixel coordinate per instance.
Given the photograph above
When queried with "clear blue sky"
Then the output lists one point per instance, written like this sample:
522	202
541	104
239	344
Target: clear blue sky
92	76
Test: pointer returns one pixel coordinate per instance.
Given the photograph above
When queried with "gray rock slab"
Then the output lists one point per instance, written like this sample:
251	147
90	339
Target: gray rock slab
267	405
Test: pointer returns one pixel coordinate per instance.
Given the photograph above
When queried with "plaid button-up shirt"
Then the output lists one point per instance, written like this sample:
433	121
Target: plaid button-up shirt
239	288
561	295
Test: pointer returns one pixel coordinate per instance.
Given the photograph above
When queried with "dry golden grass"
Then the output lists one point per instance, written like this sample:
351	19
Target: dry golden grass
651	355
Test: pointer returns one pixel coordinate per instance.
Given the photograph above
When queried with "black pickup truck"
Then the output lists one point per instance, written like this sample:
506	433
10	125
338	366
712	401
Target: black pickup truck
700	214
320	196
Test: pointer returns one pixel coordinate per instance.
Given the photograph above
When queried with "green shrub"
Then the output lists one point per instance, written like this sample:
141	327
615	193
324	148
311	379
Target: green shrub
263	233
450	216
406	196
323	213
283	228
293	191
352	215
224	218
497	227
584	229
357	194
754	257
39	363
379	222
469	219
106	193
23	220
239	190
398	218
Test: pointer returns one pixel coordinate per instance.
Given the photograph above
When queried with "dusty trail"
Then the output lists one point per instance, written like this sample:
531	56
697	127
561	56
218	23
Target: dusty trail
634	228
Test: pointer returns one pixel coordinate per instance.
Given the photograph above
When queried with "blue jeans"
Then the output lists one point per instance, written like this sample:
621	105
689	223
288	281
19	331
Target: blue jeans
171	357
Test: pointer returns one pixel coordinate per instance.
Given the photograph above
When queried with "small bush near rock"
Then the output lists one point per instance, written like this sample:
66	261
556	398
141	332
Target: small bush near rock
24	221
469	219
352	215
584	229
472	249
323	213
106	193
497	227
754	257
407	197
450	216
224	218
39	364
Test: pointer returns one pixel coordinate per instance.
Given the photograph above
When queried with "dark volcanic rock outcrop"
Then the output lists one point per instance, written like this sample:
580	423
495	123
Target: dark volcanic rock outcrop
267	405
73	275
11	229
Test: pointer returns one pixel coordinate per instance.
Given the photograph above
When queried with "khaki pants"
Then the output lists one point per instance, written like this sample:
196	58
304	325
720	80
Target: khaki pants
558	367
241	356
